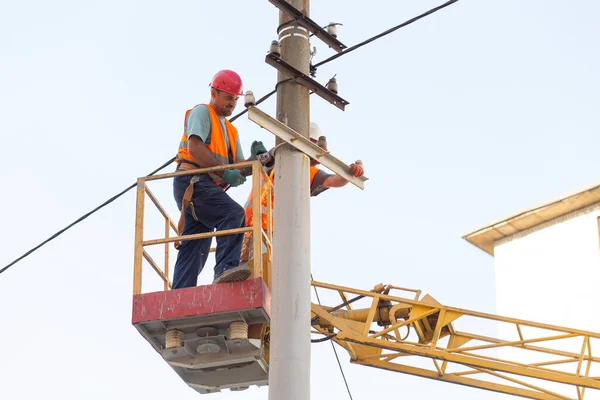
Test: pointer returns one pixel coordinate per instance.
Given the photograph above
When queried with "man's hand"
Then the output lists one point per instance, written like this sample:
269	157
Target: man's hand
336	181
356	169
233	177
256	148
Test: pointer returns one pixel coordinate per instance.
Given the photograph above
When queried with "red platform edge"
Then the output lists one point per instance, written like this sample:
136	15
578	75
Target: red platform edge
201	300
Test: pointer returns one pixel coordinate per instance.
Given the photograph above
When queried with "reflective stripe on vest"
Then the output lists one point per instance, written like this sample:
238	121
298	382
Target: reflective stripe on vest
217	145
264	192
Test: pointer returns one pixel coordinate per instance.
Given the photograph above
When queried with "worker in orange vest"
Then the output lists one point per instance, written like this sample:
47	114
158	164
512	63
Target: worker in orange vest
320	181
209	140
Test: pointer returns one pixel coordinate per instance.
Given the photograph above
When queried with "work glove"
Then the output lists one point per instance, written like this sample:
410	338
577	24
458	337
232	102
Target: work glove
233	177
356	169
256	148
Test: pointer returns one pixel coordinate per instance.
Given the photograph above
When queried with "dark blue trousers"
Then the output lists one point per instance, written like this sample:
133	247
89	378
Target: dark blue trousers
212	209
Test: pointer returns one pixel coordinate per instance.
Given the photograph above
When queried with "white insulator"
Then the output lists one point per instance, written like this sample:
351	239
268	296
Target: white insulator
174	338
322	142
275	48
238	330
332	85
332	29
249	99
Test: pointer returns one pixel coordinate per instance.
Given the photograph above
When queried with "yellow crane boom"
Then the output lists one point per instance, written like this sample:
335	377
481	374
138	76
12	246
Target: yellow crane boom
417	336
414	334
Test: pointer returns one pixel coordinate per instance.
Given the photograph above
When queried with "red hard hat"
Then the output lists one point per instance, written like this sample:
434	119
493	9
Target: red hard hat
227	81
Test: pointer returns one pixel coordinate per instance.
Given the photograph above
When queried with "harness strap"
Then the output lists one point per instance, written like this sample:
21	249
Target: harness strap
185	202
186	165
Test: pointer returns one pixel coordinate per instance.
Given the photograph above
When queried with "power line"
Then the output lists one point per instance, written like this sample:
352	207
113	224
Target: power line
356	46
382	34
333	347
107	202
265	97
84	216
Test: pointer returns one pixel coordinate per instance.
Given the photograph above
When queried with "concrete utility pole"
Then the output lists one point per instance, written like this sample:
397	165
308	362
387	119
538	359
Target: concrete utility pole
289	371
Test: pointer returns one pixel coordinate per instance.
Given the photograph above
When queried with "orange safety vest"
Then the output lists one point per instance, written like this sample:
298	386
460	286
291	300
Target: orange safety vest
217	145
264	191
218	148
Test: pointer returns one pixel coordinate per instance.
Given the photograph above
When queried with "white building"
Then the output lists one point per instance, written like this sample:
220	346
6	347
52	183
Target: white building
547	265
547	261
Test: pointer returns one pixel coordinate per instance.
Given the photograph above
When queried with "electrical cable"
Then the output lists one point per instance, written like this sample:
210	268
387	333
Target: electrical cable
324	339
107	202
332	345
78	220
382	34
265	97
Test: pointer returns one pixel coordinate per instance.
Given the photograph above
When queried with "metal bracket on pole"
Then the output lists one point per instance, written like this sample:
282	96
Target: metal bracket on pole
301	143
306	81
309	24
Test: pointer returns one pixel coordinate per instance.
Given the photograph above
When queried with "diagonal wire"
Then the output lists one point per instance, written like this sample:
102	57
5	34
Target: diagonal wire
382	34
107	202
333	347
78	220
265	97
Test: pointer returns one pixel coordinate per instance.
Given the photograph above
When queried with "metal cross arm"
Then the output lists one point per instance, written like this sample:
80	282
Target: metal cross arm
309	24
301	143
306	81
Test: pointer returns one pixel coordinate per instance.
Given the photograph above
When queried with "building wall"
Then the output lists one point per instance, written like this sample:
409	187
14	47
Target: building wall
551	274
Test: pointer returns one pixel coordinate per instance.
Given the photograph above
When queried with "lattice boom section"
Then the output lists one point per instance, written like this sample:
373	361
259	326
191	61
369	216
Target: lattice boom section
418	336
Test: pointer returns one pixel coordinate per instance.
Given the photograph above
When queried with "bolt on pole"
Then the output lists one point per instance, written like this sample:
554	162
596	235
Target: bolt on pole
289	371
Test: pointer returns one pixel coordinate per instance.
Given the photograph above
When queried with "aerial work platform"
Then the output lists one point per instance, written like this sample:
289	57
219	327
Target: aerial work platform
208	355
216	336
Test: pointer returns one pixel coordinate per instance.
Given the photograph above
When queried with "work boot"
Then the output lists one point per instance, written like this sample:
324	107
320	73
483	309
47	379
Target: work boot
240	273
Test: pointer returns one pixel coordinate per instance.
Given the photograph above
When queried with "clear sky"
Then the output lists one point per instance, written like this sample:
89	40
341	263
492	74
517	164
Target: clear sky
465	117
